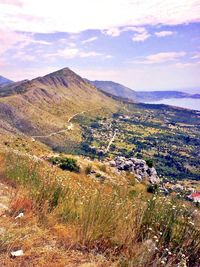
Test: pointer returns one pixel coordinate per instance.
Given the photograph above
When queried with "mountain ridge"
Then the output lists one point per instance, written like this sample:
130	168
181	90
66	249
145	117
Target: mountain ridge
4	81
120	90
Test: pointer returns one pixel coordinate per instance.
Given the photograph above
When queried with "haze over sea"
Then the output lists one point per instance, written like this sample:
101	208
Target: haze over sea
190	103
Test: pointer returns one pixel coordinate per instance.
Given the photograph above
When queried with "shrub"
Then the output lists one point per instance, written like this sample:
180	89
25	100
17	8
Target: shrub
149	162
69	164
88	169
65	163
152	188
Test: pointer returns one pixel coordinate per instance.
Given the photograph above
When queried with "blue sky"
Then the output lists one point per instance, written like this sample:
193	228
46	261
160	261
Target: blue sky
145	45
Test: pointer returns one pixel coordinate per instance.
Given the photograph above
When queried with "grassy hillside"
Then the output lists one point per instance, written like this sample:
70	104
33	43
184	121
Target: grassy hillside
72	219
45	104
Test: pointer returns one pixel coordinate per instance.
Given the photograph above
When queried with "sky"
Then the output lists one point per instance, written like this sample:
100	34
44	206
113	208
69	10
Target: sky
143	44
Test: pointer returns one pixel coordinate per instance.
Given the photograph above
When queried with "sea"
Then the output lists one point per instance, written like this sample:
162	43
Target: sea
190	103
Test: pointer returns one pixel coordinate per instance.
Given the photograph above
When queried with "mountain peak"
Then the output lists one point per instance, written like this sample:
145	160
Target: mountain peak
64	77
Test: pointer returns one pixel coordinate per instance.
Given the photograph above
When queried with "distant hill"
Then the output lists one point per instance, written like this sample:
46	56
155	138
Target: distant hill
120	90
159	95
4	81
115	89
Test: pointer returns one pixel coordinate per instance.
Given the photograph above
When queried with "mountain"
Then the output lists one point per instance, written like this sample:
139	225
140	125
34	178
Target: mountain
115	89
45	104
120	90
4	81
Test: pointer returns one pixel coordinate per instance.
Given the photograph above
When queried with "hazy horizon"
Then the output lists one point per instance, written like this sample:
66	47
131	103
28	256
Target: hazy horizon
125	45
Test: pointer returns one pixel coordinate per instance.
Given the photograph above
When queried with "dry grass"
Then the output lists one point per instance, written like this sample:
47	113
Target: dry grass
71	212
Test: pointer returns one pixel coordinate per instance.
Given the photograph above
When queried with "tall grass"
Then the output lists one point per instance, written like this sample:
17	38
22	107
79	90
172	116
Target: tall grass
43	187
132	231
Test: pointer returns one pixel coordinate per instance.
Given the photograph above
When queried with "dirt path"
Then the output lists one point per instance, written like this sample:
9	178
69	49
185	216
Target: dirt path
111	141
69	127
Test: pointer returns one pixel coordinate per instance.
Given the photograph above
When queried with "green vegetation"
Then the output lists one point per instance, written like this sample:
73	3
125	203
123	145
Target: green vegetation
168	138
149	162
65	163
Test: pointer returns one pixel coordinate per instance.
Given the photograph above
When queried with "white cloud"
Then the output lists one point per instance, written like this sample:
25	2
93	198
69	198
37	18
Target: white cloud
23	56
187	64
164	33
69	53
90	54
12	2
196	56
160	58
27	73
80	15
115	32
141	37
92	39
10	39
141	34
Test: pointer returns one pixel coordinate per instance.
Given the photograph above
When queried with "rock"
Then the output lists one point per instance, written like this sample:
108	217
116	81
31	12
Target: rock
20	215
138	167
113	163
17	253
128	163
150	245
177	188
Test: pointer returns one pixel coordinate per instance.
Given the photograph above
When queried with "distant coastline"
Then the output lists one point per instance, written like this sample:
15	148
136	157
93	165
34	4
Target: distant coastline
190	103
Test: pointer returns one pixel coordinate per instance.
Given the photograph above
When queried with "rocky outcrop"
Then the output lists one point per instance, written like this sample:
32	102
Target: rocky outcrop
138	167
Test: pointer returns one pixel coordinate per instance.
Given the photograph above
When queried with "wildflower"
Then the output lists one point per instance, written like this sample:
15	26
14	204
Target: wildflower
150	229
162	262
169	253
155	237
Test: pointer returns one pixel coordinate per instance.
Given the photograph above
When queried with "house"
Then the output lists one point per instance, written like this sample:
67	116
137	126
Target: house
195	197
